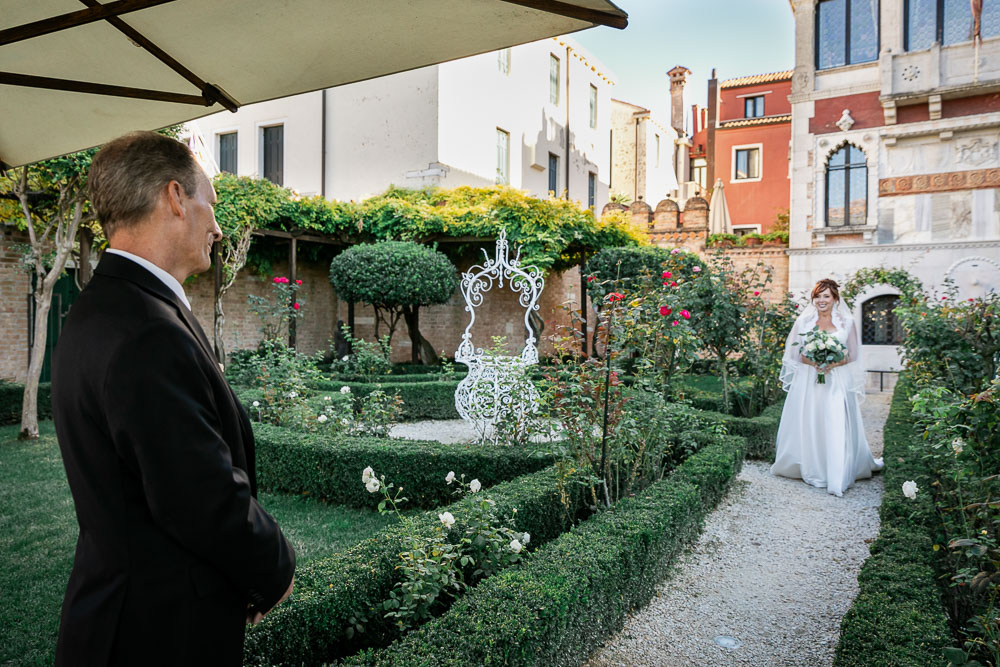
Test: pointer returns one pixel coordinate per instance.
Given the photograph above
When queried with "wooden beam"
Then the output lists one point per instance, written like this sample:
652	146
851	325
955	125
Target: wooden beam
209	91
574	12
74	19
311	238
11	79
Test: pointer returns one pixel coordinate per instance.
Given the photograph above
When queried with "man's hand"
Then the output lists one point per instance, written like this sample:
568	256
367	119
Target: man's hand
254	616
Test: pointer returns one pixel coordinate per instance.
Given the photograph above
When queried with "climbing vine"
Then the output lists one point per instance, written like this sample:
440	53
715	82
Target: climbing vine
910	288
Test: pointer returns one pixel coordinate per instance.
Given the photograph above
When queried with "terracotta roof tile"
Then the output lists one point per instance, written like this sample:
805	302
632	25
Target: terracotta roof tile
746	122
756	78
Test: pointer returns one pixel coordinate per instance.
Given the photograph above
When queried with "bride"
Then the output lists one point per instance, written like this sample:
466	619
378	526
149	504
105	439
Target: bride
821	439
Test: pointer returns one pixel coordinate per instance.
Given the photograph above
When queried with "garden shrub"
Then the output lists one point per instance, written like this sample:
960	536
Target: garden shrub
290	461
760	432
12	396
317	623
897	617
421	400
562	602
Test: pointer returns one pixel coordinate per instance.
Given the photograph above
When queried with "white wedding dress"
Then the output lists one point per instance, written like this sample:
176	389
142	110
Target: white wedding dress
821	438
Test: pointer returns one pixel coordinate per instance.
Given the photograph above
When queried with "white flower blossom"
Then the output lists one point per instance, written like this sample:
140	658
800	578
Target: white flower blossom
958	445
345	422
447	519
345	389
516	546
450	477
321	419
292	394
910	489
326	398
373	485
474	486
367	474
526	538
256	404
345	357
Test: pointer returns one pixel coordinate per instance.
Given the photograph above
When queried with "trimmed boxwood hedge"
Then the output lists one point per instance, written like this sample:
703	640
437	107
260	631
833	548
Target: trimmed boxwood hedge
761	432
311	626
560	604
898	617
421	400
290	461
12	396
399	379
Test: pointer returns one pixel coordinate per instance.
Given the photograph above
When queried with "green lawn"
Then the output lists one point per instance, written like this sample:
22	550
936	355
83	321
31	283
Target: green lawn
38	535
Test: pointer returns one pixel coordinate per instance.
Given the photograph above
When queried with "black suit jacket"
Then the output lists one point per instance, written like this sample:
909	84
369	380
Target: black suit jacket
160	459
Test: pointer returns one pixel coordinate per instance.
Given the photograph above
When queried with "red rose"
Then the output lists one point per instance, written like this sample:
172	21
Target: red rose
615	296
664	311
673	284
591	279
756	293
298	282
667	274
295	305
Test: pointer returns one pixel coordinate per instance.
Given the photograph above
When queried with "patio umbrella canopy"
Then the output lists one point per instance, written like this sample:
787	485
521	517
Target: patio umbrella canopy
718	212
75	74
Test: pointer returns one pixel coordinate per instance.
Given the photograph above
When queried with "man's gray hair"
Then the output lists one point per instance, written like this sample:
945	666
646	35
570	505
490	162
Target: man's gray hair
129	173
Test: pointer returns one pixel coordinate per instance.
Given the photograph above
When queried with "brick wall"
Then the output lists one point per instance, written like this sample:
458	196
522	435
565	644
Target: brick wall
15	287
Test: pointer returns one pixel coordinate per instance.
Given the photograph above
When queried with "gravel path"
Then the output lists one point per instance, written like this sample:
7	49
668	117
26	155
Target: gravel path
775	568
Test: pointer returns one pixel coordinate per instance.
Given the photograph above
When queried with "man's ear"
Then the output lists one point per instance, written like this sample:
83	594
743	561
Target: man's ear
175	198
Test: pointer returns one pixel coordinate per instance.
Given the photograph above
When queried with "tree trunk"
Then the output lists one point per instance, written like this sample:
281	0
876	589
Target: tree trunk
29	404
220	316
411	314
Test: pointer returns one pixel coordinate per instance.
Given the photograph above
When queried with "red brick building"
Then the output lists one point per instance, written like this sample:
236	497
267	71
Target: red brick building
743	138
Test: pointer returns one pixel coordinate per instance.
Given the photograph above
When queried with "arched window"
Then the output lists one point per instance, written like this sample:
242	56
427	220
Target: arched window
846	187
879	324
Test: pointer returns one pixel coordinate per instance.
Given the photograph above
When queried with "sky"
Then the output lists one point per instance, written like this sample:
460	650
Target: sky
737	37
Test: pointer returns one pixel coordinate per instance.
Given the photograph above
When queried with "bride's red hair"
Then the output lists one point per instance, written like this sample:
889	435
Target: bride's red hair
827	283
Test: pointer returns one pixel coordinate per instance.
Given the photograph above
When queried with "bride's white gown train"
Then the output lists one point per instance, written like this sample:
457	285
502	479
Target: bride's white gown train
821	438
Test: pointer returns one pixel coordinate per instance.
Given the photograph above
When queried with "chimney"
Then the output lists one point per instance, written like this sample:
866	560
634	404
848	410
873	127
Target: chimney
677	76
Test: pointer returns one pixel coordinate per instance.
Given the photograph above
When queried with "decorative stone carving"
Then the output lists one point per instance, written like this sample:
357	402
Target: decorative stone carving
976	152
846	122
498	386
910	73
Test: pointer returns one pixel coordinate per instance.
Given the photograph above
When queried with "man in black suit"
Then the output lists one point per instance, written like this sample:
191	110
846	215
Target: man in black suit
175	554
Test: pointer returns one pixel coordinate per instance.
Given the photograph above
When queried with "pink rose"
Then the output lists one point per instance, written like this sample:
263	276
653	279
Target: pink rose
756	293
667	274
298	282
675	251
697	269
675	323
296	306
686	315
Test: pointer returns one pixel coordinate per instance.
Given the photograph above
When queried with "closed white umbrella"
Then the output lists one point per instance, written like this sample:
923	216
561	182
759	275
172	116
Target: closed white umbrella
718	212
76	74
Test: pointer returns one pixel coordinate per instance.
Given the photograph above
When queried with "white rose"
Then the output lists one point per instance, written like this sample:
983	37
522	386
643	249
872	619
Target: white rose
256	404
373	485
292	394
910	489
326	398
450	477
345	358
958	445
367	474
345	389
447	519
526	538
474	486
321	419
515	546
344	422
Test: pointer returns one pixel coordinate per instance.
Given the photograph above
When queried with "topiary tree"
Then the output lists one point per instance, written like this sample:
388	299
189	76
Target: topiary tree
395	278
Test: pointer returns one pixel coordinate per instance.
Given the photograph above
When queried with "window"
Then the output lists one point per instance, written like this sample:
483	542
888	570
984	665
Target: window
753	107
274	154
553	79
227	152
946	22
879	324
591	190
554	174
657	149
503	61
846	32
698	167
747	164
503	157
846	187
593	106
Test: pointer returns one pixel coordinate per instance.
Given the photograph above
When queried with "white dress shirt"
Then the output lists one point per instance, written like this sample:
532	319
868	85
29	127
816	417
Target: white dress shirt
164	277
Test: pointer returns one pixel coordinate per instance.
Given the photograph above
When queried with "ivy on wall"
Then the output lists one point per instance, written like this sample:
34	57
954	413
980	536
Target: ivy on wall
910	288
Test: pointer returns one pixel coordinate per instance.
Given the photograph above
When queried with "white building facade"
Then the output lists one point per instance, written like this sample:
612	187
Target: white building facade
535	116
895	159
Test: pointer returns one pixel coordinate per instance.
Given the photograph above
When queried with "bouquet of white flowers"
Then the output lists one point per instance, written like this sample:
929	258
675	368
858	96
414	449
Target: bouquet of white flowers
822	348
